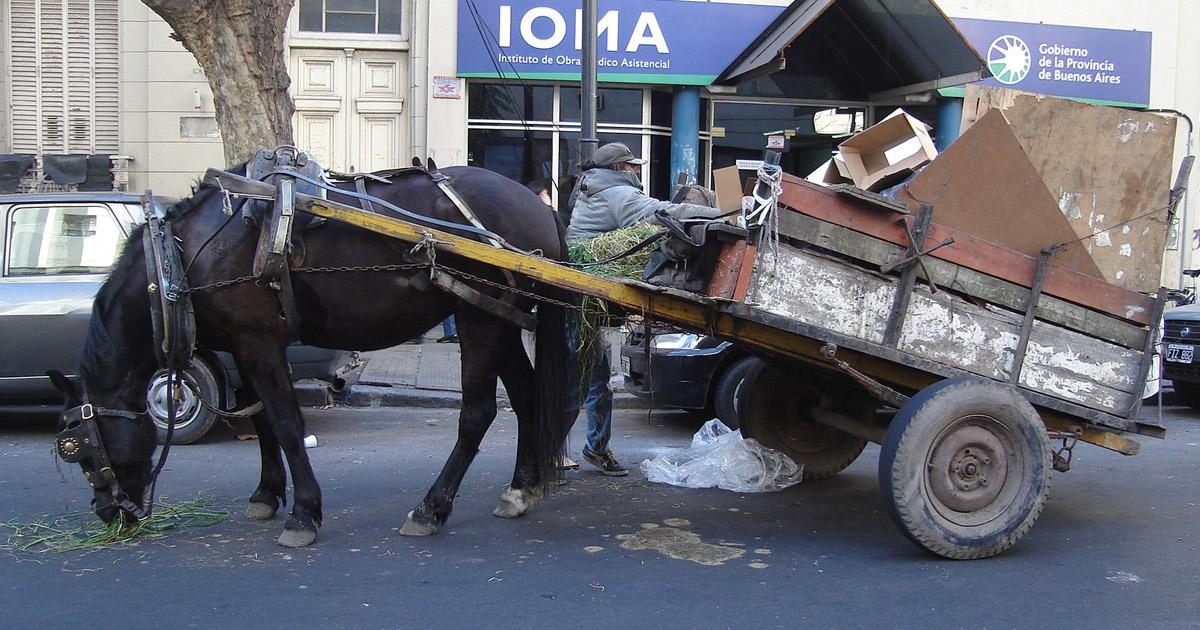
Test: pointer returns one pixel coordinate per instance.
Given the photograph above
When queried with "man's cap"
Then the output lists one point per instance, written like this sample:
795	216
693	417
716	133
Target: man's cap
615	153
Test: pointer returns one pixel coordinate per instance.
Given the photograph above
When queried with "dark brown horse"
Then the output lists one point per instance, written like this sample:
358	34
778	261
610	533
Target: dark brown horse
346	310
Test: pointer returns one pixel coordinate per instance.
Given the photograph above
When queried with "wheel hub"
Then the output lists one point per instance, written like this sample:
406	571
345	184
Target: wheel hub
967	468
185	407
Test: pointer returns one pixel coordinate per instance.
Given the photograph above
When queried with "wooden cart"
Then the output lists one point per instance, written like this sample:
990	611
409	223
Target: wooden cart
965	378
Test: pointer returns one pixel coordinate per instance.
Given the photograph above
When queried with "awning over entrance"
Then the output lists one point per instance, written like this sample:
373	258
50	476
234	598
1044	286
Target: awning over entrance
859	50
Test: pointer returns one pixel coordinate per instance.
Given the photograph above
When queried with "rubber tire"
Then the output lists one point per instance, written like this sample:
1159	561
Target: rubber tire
197	378
904	461
725	403
772	398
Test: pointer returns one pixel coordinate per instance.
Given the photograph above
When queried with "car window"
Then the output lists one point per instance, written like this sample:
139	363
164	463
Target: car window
62	239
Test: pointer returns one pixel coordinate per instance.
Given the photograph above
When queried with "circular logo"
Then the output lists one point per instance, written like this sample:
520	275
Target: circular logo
1009	59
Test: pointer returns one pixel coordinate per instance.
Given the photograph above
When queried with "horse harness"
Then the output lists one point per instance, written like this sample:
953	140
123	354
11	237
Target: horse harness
174	325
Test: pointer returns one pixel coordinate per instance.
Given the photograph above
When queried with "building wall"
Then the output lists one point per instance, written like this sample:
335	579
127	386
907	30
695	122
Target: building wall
165	101
5	70
447	126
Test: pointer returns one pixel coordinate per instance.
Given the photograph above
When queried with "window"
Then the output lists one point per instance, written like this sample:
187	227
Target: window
531	131
350	16
55	240
65	88
812	132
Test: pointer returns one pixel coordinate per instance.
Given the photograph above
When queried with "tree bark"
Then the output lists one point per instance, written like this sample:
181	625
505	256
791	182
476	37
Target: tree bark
239	45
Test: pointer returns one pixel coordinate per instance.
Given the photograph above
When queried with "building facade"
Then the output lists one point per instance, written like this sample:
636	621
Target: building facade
378	82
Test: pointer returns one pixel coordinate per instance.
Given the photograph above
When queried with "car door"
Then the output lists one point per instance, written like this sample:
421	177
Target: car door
56	255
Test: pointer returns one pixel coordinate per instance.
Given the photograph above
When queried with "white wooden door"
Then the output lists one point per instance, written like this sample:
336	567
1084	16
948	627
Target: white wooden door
350	107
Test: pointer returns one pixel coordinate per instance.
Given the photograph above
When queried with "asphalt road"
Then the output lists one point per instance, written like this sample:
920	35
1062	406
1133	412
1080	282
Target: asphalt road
1118	544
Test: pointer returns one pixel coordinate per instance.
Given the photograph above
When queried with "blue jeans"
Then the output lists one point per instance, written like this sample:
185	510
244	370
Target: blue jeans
448	327
598	404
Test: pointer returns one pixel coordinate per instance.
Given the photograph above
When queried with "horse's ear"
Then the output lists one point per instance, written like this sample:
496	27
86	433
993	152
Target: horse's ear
416	161
429	165
69	389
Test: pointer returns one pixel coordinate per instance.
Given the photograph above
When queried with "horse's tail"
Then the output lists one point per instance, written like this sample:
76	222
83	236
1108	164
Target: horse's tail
556	377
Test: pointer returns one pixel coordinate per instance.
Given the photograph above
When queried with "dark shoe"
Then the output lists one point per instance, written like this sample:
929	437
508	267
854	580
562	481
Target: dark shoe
605	462
448	339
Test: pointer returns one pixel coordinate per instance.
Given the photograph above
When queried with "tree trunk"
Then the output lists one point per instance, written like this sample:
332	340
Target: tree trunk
239	45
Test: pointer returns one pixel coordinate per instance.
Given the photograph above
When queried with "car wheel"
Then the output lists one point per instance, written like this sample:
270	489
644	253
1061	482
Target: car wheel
726	392
192	418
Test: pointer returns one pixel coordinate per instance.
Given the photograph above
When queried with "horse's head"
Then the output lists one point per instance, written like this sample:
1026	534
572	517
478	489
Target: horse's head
111	443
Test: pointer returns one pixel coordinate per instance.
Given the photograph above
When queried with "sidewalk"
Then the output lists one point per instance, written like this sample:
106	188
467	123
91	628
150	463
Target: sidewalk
423	373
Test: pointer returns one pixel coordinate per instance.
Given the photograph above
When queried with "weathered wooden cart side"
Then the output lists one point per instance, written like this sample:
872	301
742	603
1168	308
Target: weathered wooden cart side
966	454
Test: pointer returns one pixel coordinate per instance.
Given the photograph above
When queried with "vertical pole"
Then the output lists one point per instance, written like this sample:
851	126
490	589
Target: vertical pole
587	126
949	120
685	133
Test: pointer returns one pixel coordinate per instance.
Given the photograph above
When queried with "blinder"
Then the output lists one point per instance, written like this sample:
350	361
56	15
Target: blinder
79	442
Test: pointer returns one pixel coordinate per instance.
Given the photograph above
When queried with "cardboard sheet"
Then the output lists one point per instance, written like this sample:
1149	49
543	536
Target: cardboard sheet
984	185
1109	171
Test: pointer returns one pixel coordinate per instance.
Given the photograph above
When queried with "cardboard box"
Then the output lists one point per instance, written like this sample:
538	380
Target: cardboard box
833	171
887	152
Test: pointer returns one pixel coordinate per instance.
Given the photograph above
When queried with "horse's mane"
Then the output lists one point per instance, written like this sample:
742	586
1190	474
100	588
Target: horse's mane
95	361
97	346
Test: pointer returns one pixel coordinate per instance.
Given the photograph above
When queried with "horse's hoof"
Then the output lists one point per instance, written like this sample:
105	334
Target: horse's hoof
514	503
297	537
260	511
414	528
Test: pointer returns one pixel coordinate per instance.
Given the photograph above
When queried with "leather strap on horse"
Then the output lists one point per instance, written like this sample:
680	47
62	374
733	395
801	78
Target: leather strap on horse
168	289
469	294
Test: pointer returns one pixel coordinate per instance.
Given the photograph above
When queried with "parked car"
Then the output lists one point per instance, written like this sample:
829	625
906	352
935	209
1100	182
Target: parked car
1181	358
685	370
58	249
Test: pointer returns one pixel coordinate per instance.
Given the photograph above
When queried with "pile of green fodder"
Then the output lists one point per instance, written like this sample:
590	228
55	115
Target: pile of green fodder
612	243
595	314
83	531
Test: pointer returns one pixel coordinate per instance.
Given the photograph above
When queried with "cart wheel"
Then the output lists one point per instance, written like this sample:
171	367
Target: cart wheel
778	413
965	468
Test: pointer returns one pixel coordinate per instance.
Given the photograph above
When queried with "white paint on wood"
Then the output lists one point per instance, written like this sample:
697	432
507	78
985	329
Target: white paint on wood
946	329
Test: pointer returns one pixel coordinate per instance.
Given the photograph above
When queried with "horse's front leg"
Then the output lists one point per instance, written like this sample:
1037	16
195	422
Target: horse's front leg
479	340
263	362
271	492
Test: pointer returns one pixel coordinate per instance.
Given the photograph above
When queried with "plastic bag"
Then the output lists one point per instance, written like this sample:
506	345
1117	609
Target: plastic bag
722	458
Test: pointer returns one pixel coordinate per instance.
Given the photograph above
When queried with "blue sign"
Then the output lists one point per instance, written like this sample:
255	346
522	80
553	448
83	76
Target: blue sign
639	41
1098	65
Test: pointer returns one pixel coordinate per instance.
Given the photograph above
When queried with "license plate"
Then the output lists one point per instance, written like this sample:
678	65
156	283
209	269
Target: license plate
626	371
1179	353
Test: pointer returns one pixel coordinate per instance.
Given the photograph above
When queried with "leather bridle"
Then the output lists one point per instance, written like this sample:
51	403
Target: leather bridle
80	443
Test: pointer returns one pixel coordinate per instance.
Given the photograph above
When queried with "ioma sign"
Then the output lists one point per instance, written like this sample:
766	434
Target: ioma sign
639	41
1089	64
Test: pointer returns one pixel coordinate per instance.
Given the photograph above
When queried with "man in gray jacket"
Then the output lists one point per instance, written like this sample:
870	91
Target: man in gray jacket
609	197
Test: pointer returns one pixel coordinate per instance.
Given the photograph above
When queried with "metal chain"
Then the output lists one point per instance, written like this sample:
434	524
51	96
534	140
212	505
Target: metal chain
400	267
372	268
529	294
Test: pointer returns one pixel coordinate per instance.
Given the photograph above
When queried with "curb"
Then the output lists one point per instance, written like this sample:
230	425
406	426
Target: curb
316	394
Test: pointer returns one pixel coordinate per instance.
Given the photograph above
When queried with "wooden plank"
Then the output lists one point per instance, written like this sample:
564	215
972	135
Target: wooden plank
948	330
1103	166
968	251
1091	435
949	275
